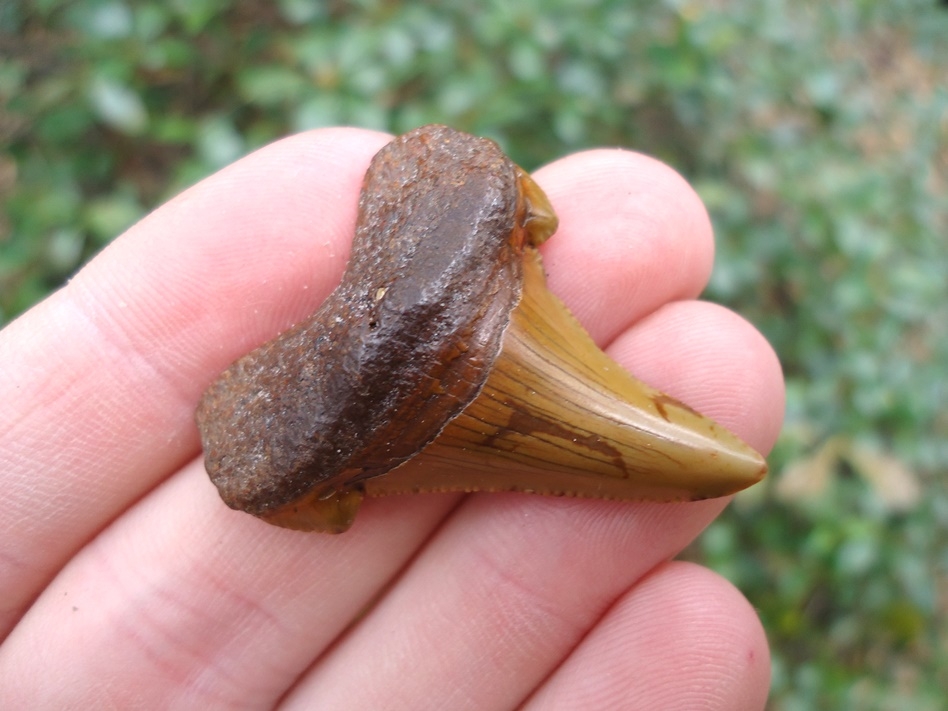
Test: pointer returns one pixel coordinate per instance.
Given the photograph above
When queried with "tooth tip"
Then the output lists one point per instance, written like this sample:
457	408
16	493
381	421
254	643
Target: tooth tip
746	468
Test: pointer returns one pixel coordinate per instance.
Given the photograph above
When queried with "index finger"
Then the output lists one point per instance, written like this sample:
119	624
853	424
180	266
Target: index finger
99	381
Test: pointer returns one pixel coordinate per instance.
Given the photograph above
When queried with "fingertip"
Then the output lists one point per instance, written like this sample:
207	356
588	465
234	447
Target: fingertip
633	234
683	638
713	359
719	643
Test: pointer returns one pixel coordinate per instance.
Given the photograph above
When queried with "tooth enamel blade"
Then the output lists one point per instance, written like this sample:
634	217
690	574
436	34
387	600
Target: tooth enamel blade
557	416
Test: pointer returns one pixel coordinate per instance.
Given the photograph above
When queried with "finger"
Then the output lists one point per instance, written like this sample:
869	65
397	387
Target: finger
670	347
100	381
512	582
184	602
682	639
633	235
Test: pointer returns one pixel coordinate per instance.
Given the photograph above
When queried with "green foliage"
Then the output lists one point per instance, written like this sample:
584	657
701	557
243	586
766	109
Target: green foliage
815	132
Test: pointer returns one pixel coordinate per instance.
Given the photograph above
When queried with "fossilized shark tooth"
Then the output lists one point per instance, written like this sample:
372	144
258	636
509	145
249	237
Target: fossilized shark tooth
443	363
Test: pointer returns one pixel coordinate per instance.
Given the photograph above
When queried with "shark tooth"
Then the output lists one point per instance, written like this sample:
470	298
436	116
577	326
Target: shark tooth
443	363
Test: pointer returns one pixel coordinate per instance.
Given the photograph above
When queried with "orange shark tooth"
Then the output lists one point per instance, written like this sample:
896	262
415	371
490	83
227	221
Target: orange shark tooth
443	363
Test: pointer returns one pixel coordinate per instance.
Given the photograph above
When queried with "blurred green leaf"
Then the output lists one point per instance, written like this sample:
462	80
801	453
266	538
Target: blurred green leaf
102	19
271	85
108	217
117	105
299	12
195	15
219	142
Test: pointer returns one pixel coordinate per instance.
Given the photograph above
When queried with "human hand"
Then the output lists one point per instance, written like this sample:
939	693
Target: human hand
125	581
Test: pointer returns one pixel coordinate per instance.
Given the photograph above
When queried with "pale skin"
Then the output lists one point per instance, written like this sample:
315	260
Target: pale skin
124	580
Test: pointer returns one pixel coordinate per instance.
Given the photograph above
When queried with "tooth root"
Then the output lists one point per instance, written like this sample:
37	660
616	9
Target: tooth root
558	416
319	510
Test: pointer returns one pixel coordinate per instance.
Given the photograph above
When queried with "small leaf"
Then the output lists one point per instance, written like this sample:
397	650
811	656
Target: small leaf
808	478
108	20
218	142
270	85
109	216
891	479
299	12
118	105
